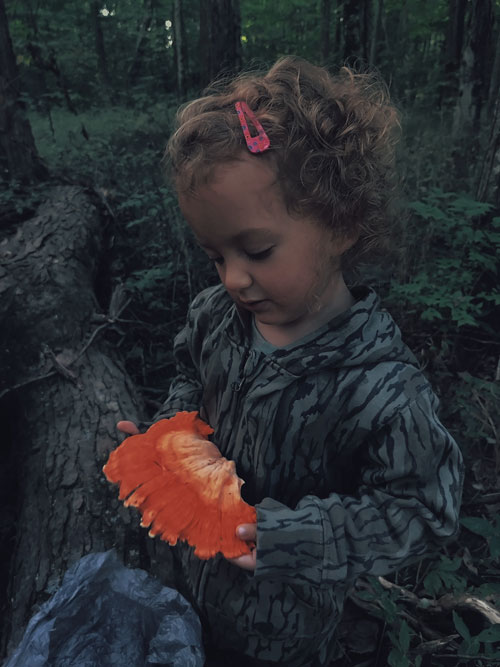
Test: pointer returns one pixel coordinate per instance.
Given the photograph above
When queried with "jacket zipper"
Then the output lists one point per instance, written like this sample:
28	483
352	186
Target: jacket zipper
236	387
238	383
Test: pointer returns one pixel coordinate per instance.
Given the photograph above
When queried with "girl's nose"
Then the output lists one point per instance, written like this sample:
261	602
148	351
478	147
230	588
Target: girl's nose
235	276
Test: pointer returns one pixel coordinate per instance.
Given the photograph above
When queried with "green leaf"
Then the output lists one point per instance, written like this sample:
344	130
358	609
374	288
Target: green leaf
491	588
430	314
478	525
449	564
474	647
489	635
397	659
461	628
404	637
495	546
432	583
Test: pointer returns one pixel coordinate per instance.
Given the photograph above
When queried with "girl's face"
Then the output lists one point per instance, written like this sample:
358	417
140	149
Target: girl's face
283	269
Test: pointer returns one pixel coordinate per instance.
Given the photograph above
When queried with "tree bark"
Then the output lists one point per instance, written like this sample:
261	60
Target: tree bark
220	38
180	47
64	388
102	61
474	70
352	28
452	50
325	11
366	29
375	31
140	46
488	187
17	146
494	79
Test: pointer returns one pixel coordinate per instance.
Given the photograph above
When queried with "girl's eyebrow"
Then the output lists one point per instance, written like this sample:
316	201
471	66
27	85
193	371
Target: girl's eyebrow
252	234
255	233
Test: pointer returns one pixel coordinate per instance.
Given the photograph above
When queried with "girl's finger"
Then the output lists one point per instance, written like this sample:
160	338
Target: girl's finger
127	427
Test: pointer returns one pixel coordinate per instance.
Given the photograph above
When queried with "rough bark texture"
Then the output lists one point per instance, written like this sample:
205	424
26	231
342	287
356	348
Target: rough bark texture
62	425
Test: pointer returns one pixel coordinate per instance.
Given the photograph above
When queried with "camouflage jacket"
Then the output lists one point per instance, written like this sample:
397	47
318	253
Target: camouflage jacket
342	453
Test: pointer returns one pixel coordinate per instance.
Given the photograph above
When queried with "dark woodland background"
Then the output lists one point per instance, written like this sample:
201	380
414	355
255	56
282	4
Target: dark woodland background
97	269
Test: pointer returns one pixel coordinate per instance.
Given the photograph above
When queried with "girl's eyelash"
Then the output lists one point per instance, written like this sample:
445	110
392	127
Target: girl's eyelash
252	256
263	254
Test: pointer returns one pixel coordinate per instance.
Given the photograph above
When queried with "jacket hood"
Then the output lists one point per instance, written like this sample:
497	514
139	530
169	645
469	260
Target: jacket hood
364	336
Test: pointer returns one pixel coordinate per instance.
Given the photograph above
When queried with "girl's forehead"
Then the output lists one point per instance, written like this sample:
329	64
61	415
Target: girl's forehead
242	204
235	188
249	173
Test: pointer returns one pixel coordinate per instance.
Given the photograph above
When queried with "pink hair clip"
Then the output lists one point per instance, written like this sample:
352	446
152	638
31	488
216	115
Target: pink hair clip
257	144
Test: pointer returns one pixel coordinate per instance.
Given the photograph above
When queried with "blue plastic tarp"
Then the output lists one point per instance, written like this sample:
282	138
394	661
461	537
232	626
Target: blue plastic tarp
107	615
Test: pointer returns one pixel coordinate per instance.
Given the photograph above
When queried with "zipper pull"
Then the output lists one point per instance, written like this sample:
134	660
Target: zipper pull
236	386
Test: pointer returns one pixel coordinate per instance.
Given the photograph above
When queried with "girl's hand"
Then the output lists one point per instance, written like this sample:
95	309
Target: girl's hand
248	533
129	428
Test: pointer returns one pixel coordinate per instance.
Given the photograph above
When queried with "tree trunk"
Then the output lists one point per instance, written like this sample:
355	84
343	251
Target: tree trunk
488	188
365	31
220	37
64	389
352	29
474	71
102	62
453	45
17	146
494	79
375	31
140	46
325	13
180	48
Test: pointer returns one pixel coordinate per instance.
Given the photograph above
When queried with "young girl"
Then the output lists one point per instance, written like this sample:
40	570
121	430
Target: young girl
285	179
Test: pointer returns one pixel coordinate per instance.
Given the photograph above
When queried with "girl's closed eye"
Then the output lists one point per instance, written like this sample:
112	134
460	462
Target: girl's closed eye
258	256
252	256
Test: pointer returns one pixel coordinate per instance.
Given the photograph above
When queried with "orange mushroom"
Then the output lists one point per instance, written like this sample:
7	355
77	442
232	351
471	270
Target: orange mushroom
182	485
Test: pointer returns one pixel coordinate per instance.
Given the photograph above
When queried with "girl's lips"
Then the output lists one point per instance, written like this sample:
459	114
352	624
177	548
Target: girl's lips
251	305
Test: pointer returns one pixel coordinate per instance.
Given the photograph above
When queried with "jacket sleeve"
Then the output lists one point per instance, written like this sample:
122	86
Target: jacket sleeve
407	503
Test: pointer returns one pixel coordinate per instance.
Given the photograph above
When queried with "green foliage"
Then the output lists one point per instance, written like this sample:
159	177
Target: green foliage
399	633
451	280
444	576
480	644
490	530
298	34
49	39
477	400
398	655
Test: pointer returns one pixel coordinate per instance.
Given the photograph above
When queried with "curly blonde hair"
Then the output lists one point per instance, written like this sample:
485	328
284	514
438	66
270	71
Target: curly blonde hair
332	148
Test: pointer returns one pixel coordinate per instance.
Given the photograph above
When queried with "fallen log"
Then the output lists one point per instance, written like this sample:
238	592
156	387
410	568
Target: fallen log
63	387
